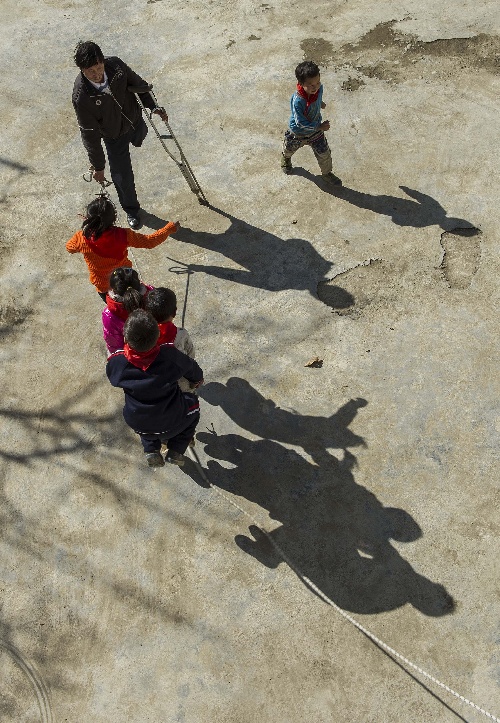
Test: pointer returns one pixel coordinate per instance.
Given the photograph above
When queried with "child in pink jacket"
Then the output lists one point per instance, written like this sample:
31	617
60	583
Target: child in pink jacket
126	294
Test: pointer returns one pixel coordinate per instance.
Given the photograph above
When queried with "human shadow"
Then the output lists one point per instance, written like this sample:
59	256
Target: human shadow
253	412
19	169
333	530
269	262
421	212
151	221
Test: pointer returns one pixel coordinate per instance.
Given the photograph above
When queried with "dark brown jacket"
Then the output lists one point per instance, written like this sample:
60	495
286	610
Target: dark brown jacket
101	115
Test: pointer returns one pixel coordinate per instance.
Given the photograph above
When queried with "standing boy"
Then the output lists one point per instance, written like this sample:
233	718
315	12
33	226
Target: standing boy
162	304
306	126
107	110
155	407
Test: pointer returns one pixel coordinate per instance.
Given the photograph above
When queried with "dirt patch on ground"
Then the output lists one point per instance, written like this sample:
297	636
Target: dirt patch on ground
378	284
388	54
352	84
319	50
462	256
375	283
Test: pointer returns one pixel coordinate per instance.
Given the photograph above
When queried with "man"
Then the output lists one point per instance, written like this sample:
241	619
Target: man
106	109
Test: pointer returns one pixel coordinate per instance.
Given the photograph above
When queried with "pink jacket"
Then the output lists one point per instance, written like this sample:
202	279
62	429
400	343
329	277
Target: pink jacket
114	321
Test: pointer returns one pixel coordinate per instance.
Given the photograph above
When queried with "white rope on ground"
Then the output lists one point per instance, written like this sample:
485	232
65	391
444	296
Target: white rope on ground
309	583
131	253
35	679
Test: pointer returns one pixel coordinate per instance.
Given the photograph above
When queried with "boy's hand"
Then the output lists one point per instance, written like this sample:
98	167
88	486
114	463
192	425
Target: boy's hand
325	126
323	105
177	225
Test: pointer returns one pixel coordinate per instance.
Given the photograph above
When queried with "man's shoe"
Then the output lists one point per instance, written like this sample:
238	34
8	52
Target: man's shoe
175	458
154	459
133	221
286	165
332	178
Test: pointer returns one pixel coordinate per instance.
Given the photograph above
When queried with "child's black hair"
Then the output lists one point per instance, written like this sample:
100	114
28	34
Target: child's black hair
162	303
141	331
87	54
124	281
306	70
100	215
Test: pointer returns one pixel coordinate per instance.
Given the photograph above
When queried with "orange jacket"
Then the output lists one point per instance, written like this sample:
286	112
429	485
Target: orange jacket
100	267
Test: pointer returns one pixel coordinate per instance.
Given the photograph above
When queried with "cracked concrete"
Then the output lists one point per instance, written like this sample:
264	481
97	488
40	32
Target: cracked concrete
137	595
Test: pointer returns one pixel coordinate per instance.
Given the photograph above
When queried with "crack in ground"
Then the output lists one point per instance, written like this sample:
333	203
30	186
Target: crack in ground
380	284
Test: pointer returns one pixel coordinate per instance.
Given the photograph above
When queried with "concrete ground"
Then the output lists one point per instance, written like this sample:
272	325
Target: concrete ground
131	594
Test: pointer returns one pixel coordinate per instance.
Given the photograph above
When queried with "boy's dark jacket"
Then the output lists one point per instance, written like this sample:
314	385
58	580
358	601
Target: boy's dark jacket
101	115
153	400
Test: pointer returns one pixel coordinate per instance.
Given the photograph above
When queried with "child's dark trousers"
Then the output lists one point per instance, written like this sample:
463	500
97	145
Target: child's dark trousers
318	143
178	438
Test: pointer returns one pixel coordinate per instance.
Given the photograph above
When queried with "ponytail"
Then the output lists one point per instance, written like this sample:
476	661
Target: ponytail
131	299
100	215
125	283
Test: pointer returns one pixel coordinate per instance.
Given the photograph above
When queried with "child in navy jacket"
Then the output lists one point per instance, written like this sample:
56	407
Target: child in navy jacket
155	407
306	126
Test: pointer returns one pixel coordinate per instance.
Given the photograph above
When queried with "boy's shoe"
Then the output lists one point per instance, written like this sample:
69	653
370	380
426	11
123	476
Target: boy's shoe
154	459
332	178
175	458
286	165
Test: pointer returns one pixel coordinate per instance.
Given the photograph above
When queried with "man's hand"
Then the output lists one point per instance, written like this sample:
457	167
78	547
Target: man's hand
162	113
99	176
325	126
323	105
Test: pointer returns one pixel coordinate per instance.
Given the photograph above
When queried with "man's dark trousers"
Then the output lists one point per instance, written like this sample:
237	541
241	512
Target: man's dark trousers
120	166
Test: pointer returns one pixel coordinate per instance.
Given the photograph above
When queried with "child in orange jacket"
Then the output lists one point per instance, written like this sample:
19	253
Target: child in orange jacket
104	245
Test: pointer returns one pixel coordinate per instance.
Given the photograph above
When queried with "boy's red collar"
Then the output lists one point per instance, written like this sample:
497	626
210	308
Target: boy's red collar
308	98
141	359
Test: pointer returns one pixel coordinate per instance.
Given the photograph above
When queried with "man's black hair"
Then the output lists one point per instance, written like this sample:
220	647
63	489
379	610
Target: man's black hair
141	331
87	54
161	303
306	70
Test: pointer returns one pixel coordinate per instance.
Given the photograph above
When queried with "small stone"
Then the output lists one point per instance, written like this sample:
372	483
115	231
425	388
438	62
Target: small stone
314	363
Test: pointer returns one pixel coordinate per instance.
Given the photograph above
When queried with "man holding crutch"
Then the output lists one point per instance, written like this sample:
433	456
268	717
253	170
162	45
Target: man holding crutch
106	110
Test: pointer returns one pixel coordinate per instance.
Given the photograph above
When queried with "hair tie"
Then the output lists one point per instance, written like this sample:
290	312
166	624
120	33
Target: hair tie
129	287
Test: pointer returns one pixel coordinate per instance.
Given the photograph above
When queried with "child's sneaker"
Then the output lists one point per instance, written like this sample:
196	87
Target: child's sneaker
286	165
332	178
175	458
154	459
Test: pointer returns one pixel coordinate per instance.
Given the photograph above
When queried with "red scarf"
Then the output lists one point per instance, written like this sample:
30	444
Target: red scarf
168	332
141	359
310	99
116	308
111	244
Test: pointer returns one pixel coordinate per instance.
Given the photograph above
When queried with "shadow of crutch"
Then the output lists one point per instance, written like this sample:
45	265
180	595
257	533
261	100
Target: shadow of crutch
180	270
